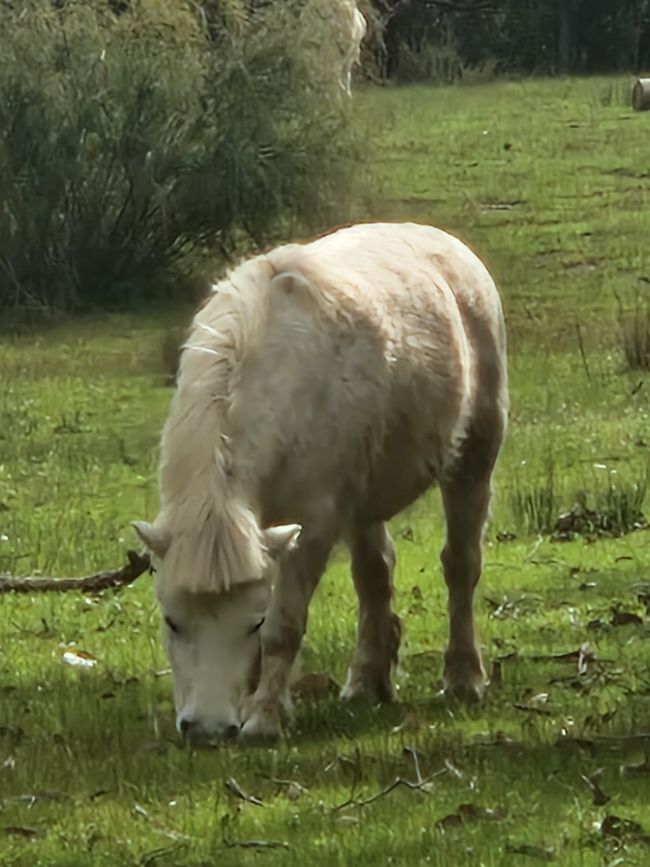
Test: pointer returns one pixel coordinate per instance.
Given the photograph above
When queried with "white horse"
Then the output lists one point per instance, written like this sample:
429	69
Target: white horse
356	28
323	388
332	32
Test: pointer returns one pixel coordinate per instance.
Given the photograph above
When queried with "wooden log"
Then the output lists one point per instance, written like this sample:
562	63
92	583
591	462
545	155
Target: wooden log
136	566
641	94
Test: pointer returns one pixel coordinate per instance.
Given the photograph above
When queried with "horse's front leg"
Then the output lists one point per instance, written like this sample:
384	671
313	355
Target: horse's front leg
281	635
378	639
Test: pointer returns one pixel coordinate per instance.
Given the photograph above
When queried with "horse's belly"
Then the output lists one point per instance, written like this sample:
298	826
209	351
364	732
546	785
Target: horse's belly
395	483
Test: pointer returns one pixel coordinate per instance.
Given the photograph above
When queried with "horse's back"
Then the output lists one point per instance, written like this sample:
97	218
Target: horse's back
418	294
366	372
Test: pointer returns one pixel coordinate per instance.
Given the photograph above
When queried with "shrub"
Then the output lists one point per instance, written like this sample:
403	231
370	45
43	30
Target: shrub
131	142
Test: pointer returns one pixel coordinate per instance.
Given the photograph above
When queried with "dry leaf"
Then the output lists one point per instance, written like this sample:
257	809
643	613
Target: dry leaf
79	658
150	858
470	813
233	787
294	791
600	798
312	687
453	770
641	768
532	851
506	536
533	709
11	731
140	811
583	652
21	831
33	797
453	820
410	723
346	819
626	618
614	826
256	844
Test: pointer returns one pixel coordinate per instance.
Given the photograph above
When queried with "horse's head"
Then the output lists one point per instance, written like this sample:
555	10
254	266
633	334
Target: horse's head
212	639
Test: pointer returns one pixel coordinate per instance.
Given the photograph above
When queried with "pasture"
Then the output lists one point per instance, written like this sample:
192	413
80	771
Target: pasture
546	181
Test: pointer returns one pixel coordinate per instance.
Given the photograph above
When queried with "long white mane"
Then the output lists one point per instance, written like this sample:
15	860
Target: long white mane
216	541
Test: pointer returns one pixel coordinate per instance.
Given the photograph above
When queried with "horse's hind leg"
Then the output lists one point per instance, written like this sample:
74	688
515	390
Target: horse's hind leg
466	495
373	563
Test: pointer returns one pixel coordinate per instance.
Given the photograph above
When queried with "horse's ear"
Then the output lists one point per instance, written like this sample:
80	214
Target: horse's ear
278	540
156	541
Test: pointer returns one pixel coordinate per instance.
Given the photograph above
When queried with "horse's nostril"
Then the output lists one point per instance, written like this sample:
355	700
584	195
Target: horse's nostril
231	732
186	726
193	731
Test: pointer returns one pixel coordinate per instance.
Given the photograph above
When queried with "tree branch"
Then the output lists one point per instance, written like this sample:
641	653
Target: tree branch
137	565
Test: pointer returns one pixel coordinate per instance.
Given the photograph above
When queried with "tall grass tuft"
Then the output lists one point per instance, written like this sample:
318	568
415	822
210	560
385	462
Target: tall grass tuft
129	143
634	328
534	505
611	509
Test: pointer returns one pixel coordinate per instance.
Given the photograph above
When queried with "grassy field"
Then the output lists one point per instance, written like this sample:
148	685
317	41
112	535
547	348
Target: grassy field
546	180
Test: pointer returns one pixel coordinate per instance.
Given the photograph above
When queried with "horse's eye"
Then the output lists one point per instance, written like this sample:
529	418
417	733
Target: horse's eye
171	625
255	628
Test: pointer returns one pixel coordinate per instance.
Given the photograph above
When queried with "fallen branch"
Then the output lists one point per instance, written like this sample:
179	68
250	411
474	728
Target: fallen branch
137	565
397	782
420	785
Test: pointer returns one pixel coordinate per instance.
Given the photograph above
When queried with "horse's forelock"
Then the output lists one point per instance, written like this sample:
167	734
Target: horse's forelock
224	550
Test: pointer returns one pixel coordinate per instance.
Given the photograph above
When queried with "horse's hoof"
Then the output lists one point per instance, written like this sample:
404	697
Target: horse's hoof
361	691
464	677
264	725
465	691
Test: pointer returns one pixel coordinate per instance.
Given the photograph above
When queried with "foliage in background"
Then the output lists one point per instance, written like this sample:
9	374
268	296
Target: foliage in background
129	141
529	36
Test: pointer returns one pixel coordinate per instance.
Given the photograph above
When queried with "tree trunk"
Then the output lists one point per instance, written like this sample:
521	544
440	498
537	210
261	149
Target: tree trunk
566	48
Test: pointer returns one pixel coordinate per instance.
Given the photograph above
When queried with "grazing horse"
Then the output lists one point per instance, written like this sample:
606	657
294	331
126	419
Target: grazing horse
323	388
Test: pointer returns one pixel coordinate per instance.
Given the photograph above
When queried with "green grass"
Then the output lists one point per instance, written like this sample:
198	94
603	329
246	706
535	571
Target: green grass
90	769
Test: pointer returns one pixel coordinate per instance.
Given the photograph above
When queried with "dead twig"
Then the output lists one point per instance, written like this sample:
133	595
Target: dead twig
583	354
233	787
136	566
591	782
421	785
397	782
541	711
256	844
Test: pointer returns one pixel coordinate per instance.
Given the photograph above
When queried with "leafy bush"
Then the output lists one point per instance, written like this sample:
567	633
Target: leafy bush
130	141
430	61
